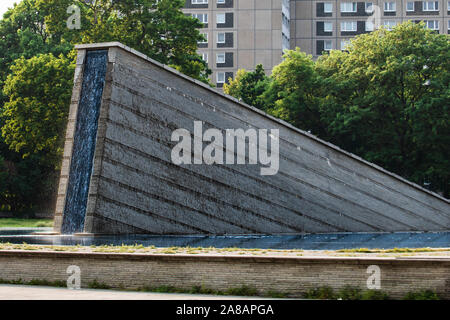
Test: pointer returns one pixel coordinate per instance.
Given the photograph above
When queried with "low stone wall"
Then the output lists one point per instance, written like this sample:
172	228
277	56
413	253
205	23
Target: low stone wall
293	275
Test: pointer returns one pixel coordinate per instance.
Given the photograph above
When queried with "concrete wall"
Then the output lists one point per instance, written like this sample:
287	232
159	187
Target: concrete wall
135	187
293	275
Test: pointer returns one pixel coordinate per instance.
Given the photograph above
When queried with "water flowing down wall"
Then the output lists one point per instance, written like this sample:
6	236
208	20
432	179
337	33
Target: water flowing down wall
136	187
84	142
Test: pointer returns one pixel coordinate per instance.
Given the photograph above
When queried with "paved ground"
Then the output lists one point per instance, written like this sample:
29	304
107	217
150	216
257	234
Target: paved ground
19	292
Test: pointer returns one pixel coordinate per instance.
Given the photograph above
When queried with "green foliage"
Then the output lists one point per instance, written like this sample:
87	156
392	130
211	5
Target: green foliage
249	86
422	295
39	91
293	94
95	284
242	291
386	99
158	29
347	293
25	223
36	78
374	295
320	293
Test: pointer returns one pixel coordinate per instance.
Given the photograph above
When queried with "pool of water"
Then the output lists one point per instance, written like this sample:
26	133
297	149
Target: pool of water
332	241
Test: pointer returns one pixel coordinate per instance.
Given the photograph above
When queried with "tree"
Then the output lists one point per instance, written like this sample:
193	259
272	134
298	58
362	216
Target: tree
157	28
249	86
23	35
388	100
39	91
294	92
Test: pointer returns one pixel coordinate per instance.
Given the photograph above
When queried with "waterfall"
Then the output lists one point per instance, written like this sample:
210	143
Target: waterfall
84	142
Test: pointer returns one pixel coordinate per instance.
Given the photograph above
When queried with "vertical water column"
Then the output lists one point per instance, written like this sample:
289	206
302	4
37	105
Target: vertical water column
84	142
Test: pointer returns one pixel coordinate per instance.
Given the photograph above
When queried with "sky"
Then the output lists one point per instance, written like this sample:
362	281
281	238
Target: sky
5	4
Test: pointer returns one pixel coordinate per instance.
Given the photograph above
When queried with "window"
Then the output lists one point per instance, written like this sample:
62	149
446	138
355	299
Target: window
220	58
205	35
389	24
348	26
389	6
348	7
328	7
203	17
220	18
432	24
327	45
410	6
199	1
205	57
220	1
369	7
369	26
328	27
448	5
221	37
344	43
448	25
430	6
220	77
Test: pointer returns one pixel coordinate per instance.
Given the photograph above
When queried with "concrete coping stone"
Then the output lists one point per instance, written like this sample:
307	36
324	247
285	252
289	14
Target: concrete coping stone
221	258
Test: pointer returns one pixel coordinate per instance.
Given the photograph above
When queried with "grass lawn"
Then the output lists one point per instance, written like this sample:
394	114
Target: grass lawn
25	223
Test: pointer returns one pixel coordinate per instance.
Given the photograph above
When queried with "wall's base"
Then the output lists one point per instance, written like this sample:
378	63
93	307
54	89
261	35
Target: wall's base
292	275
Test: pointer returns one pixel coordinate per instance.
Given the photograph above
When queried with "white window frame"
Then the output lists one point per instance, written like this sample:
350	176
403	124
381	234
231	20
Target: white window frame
369	23
218	21
344	43
430	5
329	24
435	24
203	15
218	80
389	6
345	24
388	25
369	7
220	1
205	34
448	5
345	6
199	1
325	42
413	6
224	37
325	7
205	56
221	54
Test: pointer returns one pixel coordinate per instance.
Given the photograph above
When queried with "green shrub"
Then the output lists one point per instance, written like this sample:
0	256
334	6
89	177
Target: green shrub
320	293
422	295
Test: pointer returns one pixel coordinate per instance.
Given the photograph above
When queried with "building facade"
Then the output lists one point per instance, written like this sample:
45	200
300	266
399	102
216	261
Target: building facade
243	33
318	26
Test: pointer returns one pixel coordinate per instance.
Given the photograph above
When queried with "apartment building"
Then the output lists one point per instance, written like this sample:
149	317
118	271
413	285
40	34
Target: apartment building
244	33
318	26
241	34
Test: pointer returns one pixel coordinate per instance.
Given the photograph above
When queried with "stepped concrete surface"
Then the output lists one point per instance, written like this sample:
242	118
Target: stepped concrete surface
133	186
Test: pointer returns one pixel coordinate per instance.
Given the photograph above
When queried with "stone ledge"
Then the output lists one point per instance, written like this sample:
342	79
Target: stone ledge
222	258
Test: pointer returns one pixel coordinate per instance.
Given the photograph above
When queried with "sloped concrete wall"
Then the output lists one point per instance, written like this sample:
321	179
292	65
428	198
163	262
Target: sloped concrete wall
135	187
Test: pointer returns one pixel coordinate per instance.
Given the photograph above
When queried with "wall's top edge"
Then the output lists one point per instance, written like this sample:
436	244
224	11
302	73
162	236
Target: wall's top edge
107	45
219	258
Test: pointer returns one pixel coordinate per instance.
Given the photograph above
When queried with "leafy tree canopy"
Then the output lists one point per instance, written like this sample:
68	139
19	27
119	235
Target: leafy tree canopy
157	28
